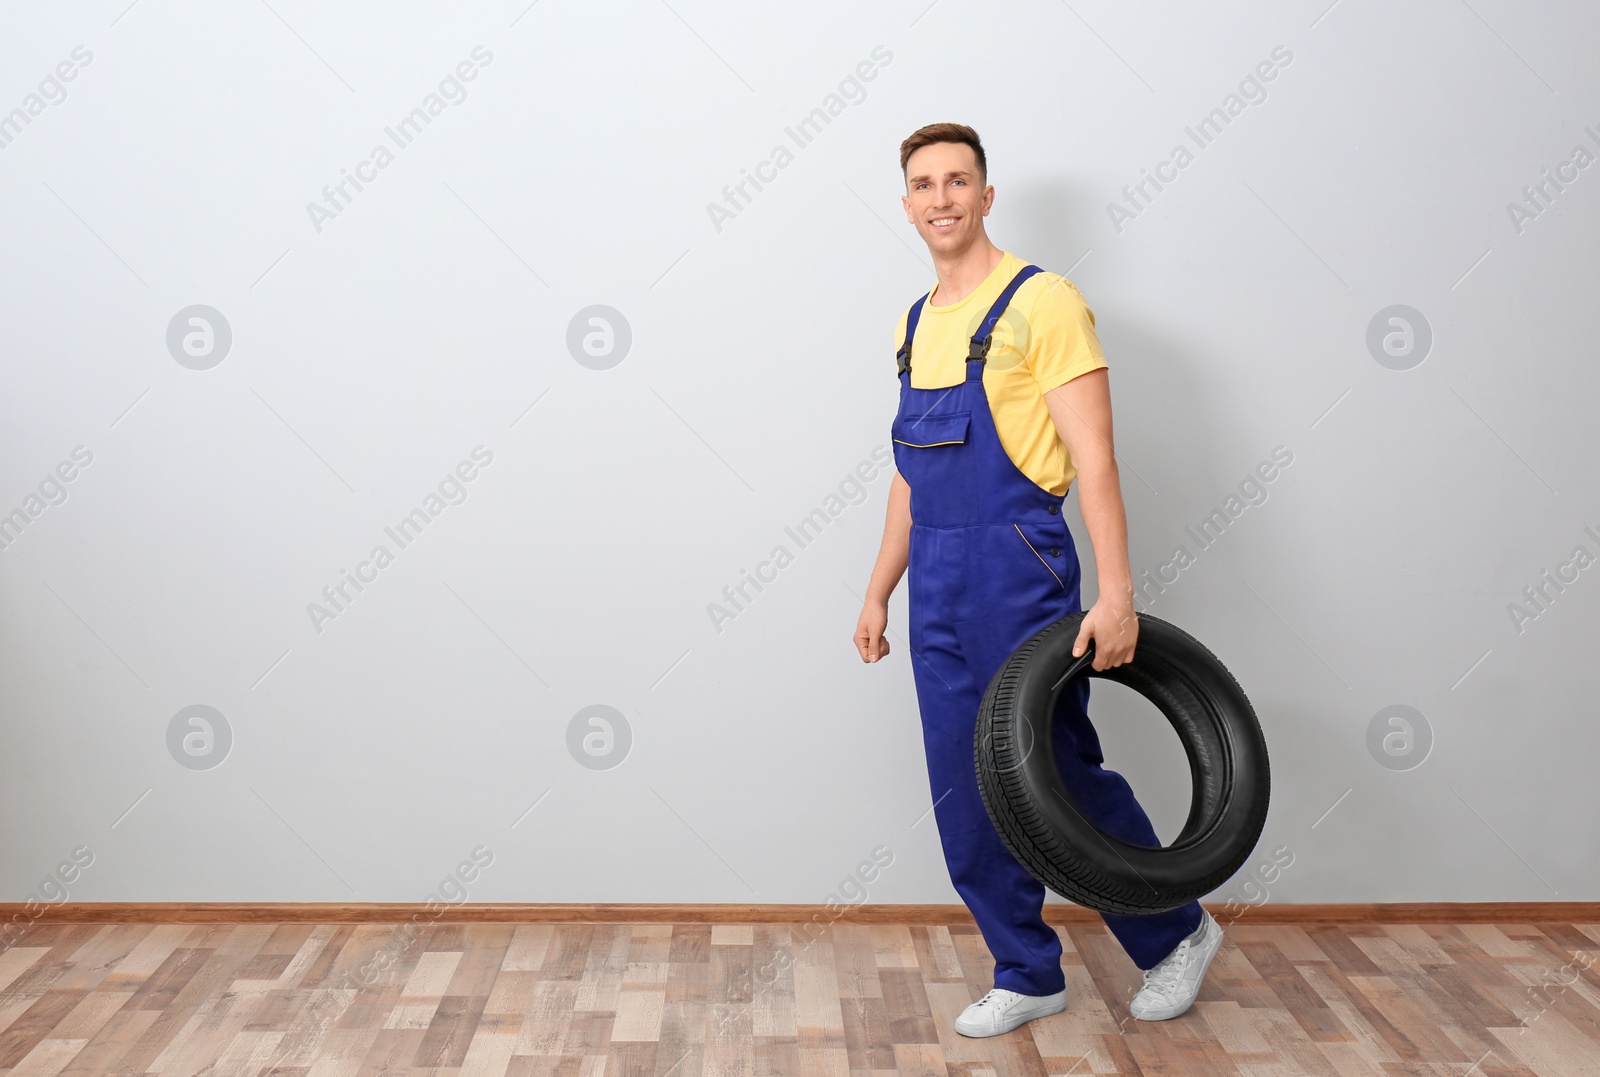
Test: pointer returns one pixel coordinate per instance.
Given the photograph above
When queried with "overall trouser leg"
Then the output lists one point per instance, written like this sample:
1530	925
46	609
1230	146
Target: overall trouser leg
1003	898
1106	800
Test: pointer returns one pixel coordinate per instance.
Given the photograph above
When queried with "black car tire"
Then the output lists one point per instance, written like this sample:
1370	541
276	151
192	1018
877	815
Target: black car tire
1034	811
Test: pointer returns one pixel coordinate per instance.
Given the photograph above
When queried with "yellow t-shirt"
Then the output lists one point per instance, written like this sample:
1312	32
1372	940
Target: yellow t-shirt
1045	338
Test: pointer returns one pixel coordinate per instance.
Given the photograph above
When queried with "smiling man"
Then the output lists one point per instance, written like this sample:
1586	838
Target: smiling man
1004	403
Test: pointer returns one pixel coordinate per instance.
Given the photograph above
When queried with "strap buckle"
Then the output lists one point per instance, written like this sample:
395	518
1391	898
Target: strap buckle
902	359
978	348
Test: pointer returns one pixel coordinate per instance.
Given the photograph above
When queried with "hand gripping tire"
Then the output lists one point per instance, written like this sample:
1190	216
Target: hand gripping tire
1034	812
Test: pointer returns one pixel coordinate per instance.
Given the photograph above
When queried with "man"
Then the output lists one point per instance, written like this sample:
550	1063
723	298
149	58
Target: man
1004	401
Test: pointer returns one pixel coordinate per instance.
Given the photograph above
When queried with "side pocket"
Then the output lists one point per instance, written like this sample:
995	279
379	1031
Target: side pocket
1040	556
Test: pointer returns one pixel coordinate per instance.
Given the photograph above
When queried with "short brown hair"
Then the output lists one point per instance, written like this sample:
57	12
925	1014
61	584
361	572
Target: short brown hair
944	132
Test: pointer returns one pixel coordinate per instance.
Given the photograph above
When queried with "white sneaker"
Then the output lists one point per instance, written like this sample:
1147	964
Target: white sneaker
1169	988
1001	1011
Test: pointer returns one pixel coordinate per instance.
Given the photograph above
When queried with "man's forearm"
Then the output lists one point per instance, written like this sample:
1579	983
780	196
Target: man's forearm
1106	519
895	551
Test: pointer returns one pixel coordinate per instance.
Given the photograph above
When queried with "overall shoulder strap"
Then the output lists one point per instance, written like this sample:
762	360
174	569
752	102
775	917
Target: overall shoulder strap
903	356
978	347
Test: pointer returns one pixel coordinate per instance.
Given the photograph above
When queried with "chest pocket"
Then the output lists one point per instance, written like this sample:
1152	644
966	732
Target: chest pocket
927	431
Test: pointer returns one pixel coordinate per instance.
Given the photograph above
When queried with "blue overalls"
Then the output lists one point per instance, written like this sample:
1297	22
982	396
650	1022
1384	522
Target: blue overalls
991	563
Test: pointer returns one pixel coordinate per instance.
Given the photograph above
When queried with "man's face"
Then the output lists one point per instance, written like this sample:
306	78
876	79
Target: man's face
945	197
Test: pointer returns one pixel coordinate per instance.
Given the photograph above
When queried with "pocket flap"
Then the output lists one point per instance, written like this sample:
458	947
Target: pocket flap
923	431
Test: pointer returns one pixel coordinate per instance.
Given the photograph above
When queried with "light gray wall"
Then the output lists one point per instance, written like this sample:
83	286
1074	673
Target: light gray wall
372	754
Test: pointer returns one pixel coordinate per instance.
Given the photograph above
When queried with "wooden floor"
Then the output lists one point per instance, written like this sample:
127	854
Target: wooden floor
754	999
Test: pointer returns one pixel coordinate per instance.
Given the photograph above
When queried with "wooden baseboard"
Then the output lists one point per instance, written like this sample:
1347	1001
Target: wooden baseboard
174	912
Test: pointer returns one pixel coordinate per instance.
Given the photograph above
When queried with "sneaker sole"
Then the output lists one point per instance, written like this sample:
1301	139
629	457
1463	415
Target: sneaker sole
1013	1023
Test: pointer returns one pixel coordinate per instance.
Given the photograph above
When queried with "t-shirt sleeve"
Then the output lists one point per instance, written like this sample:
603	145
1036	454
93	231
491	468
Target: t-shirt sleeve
1064	343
